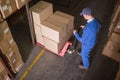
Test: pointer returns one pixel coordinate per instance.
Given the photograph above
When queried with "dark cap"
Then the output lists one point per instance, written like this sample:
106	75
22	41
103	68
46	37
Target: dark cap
86	11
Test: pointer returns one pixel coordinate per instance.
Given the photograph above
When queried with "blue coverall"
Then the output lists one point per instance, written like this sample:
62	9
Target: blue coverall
88	40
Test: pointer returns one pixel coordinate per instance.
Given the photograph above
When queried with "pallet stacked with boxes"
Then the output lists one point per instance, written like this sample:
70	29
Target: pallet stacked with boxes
112	47
9	48
52	30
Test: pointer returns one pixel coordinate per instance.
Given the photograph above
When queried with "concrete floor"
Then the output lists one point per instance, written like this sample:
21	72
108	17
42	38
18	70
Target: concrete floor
53	67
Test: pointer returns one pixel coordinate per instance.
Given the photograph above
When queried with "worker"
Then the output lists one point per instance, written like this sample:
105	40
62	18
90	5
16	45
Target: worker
88	37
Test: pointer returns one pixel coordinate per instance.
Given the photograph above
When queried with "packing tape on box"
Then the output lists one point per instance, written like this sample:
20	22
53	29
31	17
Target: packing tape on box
10	9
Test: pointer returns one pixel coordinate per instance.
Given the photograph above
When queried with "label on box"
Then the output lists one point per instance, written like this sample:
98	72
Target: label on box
6	30
4	8
7	77
11	41
22	1
18	67
14	61
10	54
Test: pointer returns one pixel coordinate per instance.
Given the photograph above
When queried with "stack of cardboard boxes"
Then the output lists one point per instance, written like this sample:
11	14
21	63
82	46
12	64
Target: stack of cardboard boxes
52	30
4	75
9	48
7	7
112	47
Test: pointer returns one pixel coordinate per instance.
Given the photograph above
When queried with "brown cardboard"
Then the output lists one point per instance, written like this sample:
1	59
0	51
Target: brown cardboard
70	26
16	51
21	3
115	38
1	1
4	46
117	28
1	67
5	31
38	34
52	31
56	20
3	75
54	46
112	50
10	56
41	11
7	8
19	65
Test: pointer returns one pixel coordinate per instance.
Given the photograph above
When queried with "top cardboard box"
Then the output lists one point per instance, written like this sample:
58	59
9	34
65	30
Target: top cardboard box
21	3
7	7
41	11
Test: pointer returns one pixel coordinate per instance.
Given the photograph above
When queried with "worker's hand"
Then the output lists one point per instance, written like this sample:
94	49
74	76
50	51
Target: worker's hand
74	31
82	26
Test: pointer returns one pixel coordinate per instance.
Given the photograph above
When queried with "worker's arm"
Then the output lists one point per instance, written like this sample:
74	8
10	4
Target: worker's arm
77	35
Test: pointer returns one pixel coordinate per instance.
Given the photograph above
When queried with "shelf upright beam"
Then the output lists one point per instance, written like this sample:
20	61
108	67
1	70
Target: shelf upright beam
30	24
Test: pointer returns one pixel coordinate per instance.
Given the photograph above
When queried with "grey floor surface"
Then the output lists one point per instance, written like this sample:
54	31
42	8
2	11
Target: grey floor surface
51	66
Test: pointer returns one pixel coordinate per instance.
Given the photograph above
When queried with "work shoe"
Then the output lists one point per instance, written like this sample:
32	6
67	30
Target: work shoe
82	67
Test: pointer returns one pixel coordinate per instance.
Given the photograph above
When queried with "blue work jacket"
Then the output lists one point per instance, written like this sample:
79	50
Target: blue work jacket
89	35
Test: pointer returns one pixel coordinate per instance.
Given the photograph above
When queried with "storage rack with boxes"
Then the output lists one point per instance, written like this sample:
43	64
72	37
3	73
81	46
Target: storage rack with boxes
10	54
4	72
112	47
52	30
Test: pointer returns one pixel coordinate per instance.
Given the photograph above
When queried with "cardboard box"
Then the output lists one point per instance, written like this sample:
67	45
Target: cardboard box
1	67
21	3
3	73
67	16
10	56
5	32
38	34
13	54
41	11
7	8
16	51
112	50
70	26
115	38
56	20
54	46
4	46
1	1
52	31
19	65
117	28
